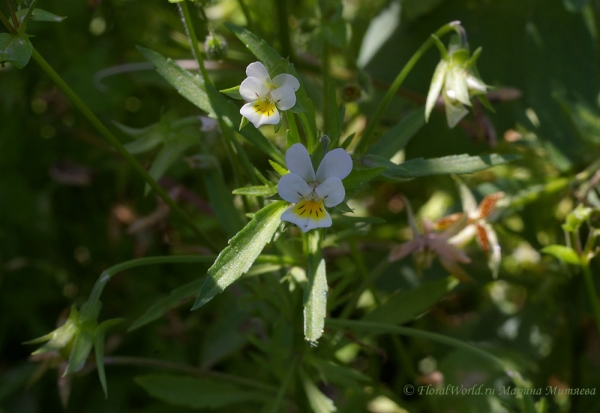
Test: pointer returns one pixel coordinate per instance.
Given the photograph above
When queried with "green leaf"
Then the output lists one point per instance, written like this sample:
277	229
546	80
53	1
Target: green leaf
263	190
315	295
396	138
99	348
359	177
563	253
317	400
232	92
39	15
208	99
169	154
455	164
278	168
197	393
15	49
165	304
275	65
407	305
381	28
241	252
82	346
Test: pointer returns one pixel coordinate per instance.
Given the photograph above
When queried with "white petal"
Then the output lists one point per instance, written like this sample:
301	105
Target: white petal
286	80
306	224
258	119
284	97
298	162
439	75
336	163
259	71
331	191
456	85
455	111
292	188
253	89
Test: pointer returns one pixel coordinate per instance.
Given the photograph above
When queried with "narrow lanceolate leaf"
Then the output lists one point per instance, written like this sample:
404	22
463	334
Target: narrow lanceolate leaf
275	65
208	99
563	253
315	296
317	400
197	393
397	137
262	190
39	15
406	305
455	164
241	252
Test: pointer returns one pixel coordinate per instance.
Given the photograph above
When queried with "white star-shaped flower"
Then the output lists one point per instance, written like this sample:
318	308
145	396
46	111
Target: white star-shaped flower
312	192
266	96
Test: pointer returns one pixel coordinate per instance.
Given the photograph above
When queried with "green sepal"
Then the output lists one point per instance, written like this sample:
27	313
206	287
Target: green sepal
232	92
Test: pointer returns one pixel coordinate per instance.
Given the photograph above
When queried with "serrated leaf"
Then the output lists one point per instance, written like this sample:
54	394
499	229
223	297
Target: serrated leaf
263	190
197	393
208	99
275	64
406	305
232	92
15	49
315	295
563	253
396	138
241	252
39	15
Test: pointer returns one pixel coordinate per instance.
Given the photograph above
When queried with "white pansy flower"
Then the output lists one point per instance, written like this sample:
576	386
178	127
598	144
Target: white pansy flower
312	192
266	96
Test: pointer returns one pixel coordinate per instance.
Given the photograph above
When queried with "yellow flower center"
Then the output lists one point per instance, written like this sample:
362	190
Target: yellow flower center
264	107
310	208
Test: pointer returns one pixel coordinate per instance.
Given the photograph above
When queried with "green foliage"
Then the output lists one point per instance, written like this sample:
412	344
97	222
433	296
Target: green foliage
326	321
242	251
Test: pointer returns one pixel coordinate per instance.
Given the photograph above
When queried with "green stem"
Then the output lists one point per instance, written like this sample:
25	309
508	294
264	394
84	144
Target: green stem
310	138
107	134
364	142
231	145
284	29
7	24
367	281
246	12
189	28
326	85
182	368
592	294
27	16
284	385
138	262
293	127
12	14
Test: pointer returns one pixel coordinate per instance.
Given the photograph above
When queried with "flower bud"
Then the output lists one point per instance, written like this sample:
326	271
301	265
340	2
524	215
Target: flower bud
215	47
457	79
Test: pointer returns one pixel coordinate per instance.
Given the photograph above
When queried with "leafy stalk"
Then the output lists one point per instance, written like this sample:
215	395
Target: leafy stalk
591	291
364	142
